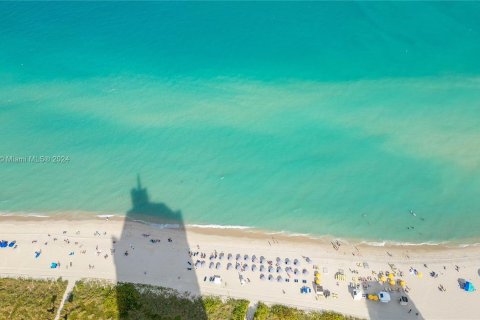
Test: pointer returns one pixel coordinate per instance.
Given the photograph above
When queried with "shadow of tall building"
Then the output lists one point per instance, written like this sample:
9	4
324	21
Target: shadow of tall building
153	249
399	306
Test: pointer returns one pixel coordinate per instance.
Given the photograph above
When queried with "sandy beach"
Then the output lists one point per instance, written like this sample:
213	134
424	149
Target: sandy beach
117	250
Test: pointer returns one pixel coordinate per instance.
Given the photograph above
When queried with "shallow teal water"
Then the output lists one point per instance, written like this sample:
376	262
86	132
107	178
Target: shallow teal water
313	118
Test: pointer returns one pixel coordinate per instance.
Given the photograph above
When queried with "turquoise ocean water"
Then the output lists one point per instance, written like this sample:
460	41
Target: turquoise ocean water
320	118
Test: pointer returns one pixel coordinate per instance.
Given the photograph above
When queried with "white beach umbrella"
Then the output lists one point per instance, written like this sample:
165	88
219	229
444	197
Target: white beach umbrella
262	277
238	267
279	278
238	257
296	262
270	269
305	272
296	271
245	257
262	268
218	265
279	269
254	258
221	255
211	265
203	263
308	260
254	267
287	261
229	266
278	259
262	259
271	278
245	266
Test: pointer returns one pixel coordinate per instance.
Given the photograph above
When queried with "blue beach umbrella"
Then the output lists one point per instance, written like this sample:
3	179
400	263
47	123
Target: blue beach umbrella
469	287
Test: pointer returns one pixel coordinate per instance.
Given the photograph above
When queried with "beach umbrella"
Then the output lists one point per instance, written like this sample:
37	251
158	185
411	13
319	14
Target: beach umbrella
238	267
220	257
211	265
317	281
229	257
245	266
296	271
271	278
254	267
245	257
203	263
262	277
229	266
392	282
308	260
218	265
254	258
383	278
279	269
419	274
391	276
237	257
296	262
402	283
212	257
270	269
262	268
317	274
262	259
305	272
279	279
287	261
278	260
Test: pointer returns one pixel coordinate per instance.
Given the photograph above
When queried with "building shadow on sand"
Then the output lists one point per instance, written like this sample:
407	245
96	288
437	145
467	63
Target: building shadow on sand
394	302
159	256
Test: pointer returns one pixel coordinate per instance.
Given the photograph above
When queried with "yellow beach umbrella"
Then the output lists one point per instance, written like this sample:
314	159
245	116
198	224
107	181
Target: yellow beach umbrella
317	275
402	283
392	282
317	281
383	278
391	276
373	297
419	274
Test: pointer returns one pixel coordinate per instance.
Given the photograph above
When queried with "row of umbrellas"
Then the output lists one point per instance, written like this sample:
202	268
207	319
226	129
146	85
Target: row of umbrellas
271	278
262	268
260	260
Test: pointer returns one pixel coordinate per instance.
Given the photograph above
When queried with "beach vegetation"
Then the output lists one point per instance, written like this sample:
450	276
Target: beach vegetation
103	300
30	299
281	312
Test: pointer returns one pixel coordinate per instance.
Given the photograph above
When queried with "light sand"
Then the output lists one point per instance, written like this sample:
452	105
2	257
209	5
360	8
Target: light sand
166	264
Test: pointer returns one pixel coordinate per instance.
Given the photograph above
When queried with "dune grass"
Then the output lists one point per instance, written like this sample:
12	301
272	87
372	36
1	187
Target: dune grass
101	300
280	312
30	299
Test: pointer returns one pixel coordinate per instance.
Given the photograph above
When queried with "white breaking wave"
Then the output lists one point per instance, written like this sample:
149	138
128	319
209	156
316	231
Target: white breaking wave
217	226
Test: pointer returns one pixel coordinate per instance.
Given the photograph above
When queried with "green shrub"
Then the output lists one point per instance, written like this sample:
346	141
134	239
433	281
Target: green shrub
30	299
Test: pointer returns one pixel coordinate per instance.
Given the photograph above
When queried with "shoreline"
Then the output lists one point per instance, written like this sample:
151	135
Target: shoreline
239	230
